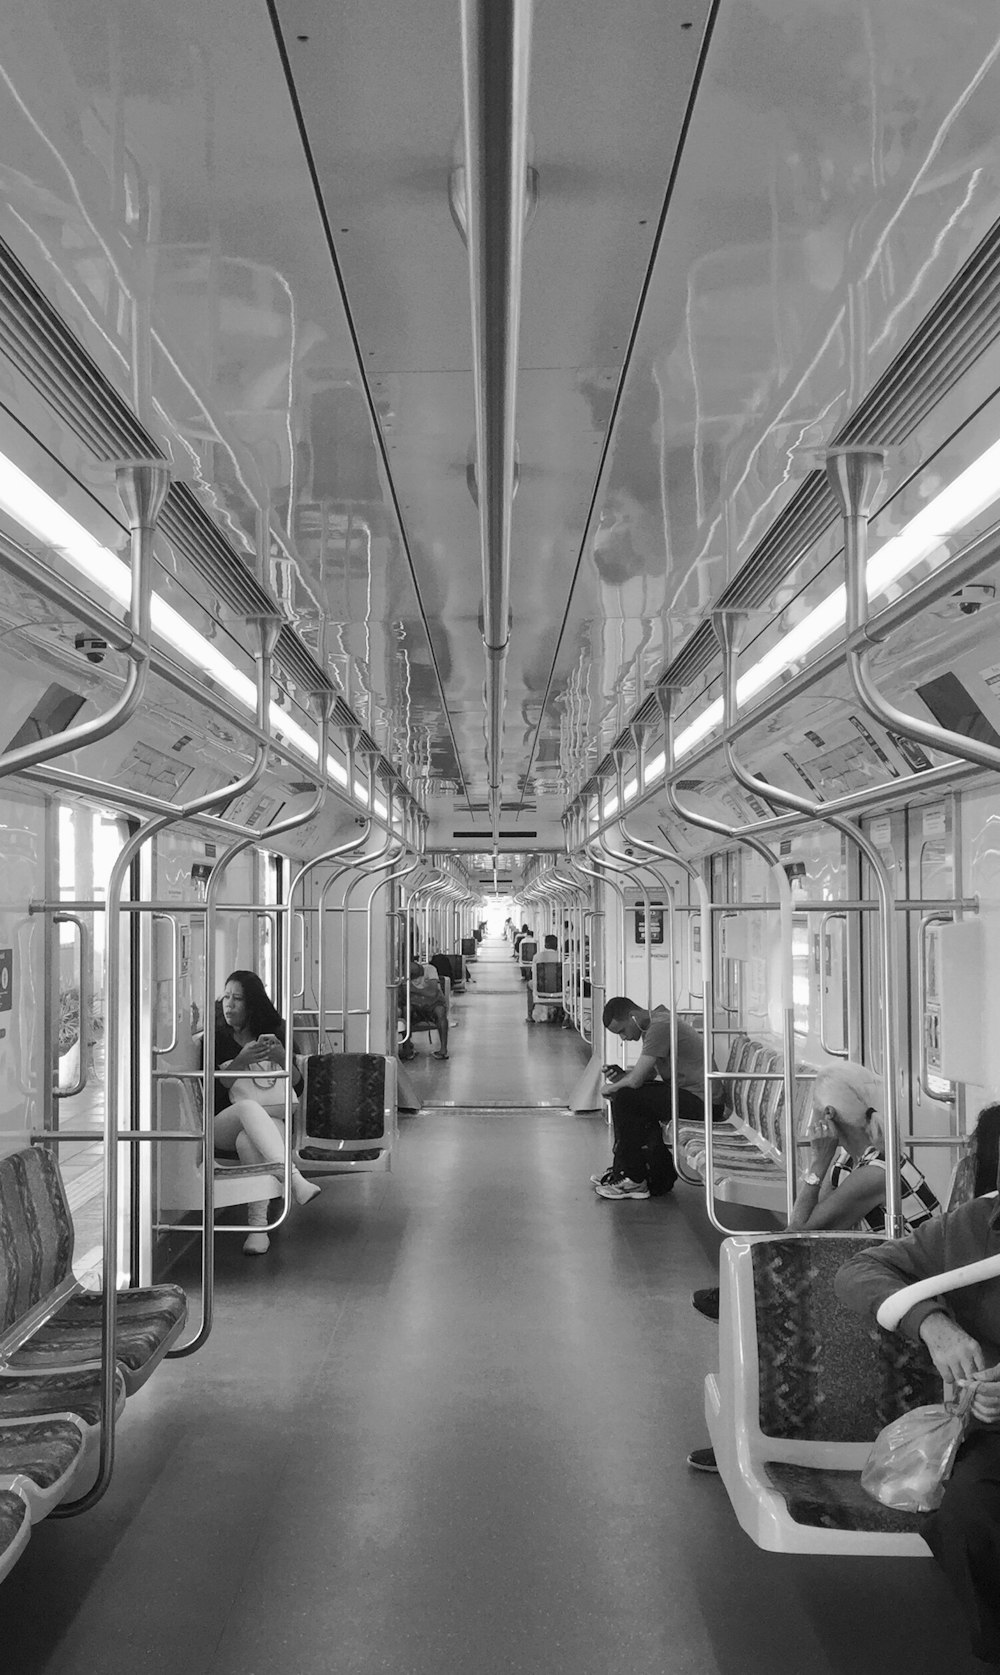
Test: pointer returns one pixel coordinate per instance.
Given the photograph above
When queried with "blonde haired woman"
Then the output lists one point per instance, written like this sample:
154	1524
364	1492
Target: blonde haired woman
843	1181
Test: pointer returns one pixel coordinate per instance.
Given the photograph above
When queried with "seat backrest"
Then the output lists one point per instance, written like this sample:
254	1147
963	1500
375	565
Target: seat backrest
343	1097
36	1231
548	978
826	1373
469	947
527	950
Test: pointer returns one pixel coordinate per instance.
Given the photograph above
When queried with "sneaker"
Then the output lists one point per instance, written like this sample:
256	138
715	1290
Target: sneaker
609	1175
707	1302
256	1244
622	1187
703	1459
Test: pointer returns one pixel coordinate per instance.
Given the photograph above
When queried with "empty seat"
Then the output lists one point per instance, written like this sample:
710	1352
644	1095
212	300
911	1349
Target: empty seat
803	1388
48	1323
39	1458
15	1529
346	1120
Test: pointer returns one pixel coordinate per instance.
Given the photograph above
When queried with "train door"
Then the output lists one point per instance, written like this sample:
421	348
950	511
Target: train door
88	841
727	945
932	881
889	834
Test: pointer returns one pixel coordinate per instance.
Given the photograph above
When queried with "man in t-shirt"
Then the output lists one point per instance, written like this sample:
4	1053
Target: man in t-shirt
643	1166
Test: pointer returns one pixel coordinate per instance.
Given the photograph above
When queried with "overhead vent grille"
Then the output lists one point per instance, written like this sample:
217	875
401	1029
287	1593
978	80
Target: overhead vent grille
187	525
300	665
962	324
480	835
39	343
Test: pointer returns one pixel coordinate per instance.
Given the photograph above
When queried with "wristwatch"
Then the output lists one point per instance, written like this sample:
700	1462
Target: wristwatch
812	1179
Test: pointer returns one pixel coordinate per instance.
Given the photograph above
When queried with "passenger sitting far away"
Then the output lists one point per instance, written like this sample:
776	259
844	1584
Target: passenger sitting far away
843	1182
643	1166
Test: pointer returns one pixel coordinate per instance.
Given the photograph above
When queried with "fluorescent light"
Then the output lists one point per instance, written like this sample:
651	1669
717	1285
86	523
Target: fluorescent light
610	804
44	518
655	768
971	492
630	790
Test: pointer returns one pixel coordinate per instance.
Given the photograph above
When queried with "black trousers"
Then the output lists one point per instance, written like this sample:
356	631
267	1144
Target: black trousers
640	1150
964	1536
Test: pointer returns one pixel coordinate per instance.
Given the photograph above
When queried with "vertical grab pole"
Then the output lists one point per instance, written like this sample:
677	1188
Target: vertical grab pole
143	488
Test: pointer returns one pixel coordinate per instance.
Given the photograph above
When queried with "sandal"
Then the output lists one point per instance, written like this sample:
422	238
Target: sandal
440	1055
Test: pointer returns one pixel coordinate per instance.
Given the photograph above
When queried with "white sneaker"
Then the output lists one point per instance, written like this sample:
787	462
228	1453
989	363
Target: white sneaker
256	1244
610	1174
622	1187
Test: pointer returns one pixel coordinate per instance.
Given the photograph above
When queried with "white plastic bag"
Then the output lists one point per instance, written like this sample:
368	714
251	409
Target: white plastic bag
911	1459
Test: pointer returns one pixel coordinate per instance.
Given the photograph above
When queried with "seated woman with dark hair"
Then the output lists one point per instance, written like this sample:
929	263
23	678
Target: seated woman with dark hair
250	1034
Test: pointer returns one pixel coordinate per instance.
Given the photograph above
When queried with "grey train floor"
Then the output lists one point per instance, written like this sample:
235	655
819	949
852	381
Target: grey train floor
440	1430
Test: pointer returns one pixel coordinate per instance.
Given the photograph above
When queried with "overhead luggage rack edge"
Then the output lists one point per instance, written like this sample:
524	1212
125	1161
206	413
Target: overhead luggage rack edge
48	354
960	326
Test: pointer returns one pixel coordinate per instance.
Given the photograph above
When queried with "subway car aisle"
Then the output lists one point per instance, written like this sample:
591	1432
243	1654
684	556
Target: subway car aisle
496	1057
443	1429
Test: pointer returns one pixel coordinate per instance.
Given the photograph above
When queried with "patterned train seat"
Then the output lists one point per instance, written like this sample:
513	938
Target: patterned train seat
36	1249
347	1113
803	1388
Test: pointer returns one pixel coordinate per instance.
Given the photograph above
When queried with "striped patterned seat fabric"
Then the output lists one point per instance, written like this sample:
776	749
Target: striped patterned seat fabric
33	1395
36	1232
36	1251
15	1528
42	1449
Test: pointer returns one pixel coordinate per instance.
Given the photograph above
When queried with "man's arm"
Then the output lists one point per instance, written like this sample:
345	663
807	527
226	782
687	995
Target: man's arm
643	1071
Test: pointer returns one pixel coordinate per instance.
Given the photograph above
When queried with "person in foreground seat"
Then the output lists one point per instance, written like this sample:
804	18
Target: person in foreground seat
250	1033
427	1006
643	1166
962	1333
843	1182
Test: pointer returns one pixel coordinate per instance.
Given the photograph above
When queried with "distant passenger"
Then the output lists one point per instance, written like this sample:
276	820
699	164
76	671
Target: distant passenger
427	1007
519	938
548	954
843	1182
961	1331
643	1166
250	1033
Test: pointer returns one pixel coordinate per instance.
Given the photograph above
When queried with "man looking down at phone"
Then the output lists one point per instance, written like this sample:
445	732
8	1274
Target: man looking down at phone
643	1166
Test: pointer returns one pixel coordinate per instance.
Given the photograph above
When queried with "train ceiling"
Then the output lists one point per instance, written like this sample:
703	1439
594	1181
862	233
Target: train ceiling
743	211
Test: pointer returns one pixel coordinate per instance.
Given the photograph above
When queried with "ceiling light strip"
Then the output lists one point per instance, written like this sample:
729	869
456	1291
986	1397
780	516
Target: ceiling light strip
47	353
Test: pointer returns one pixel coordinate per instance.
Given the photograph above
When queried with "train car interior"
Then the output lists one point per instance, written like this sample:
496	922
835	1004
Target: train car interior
500	584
